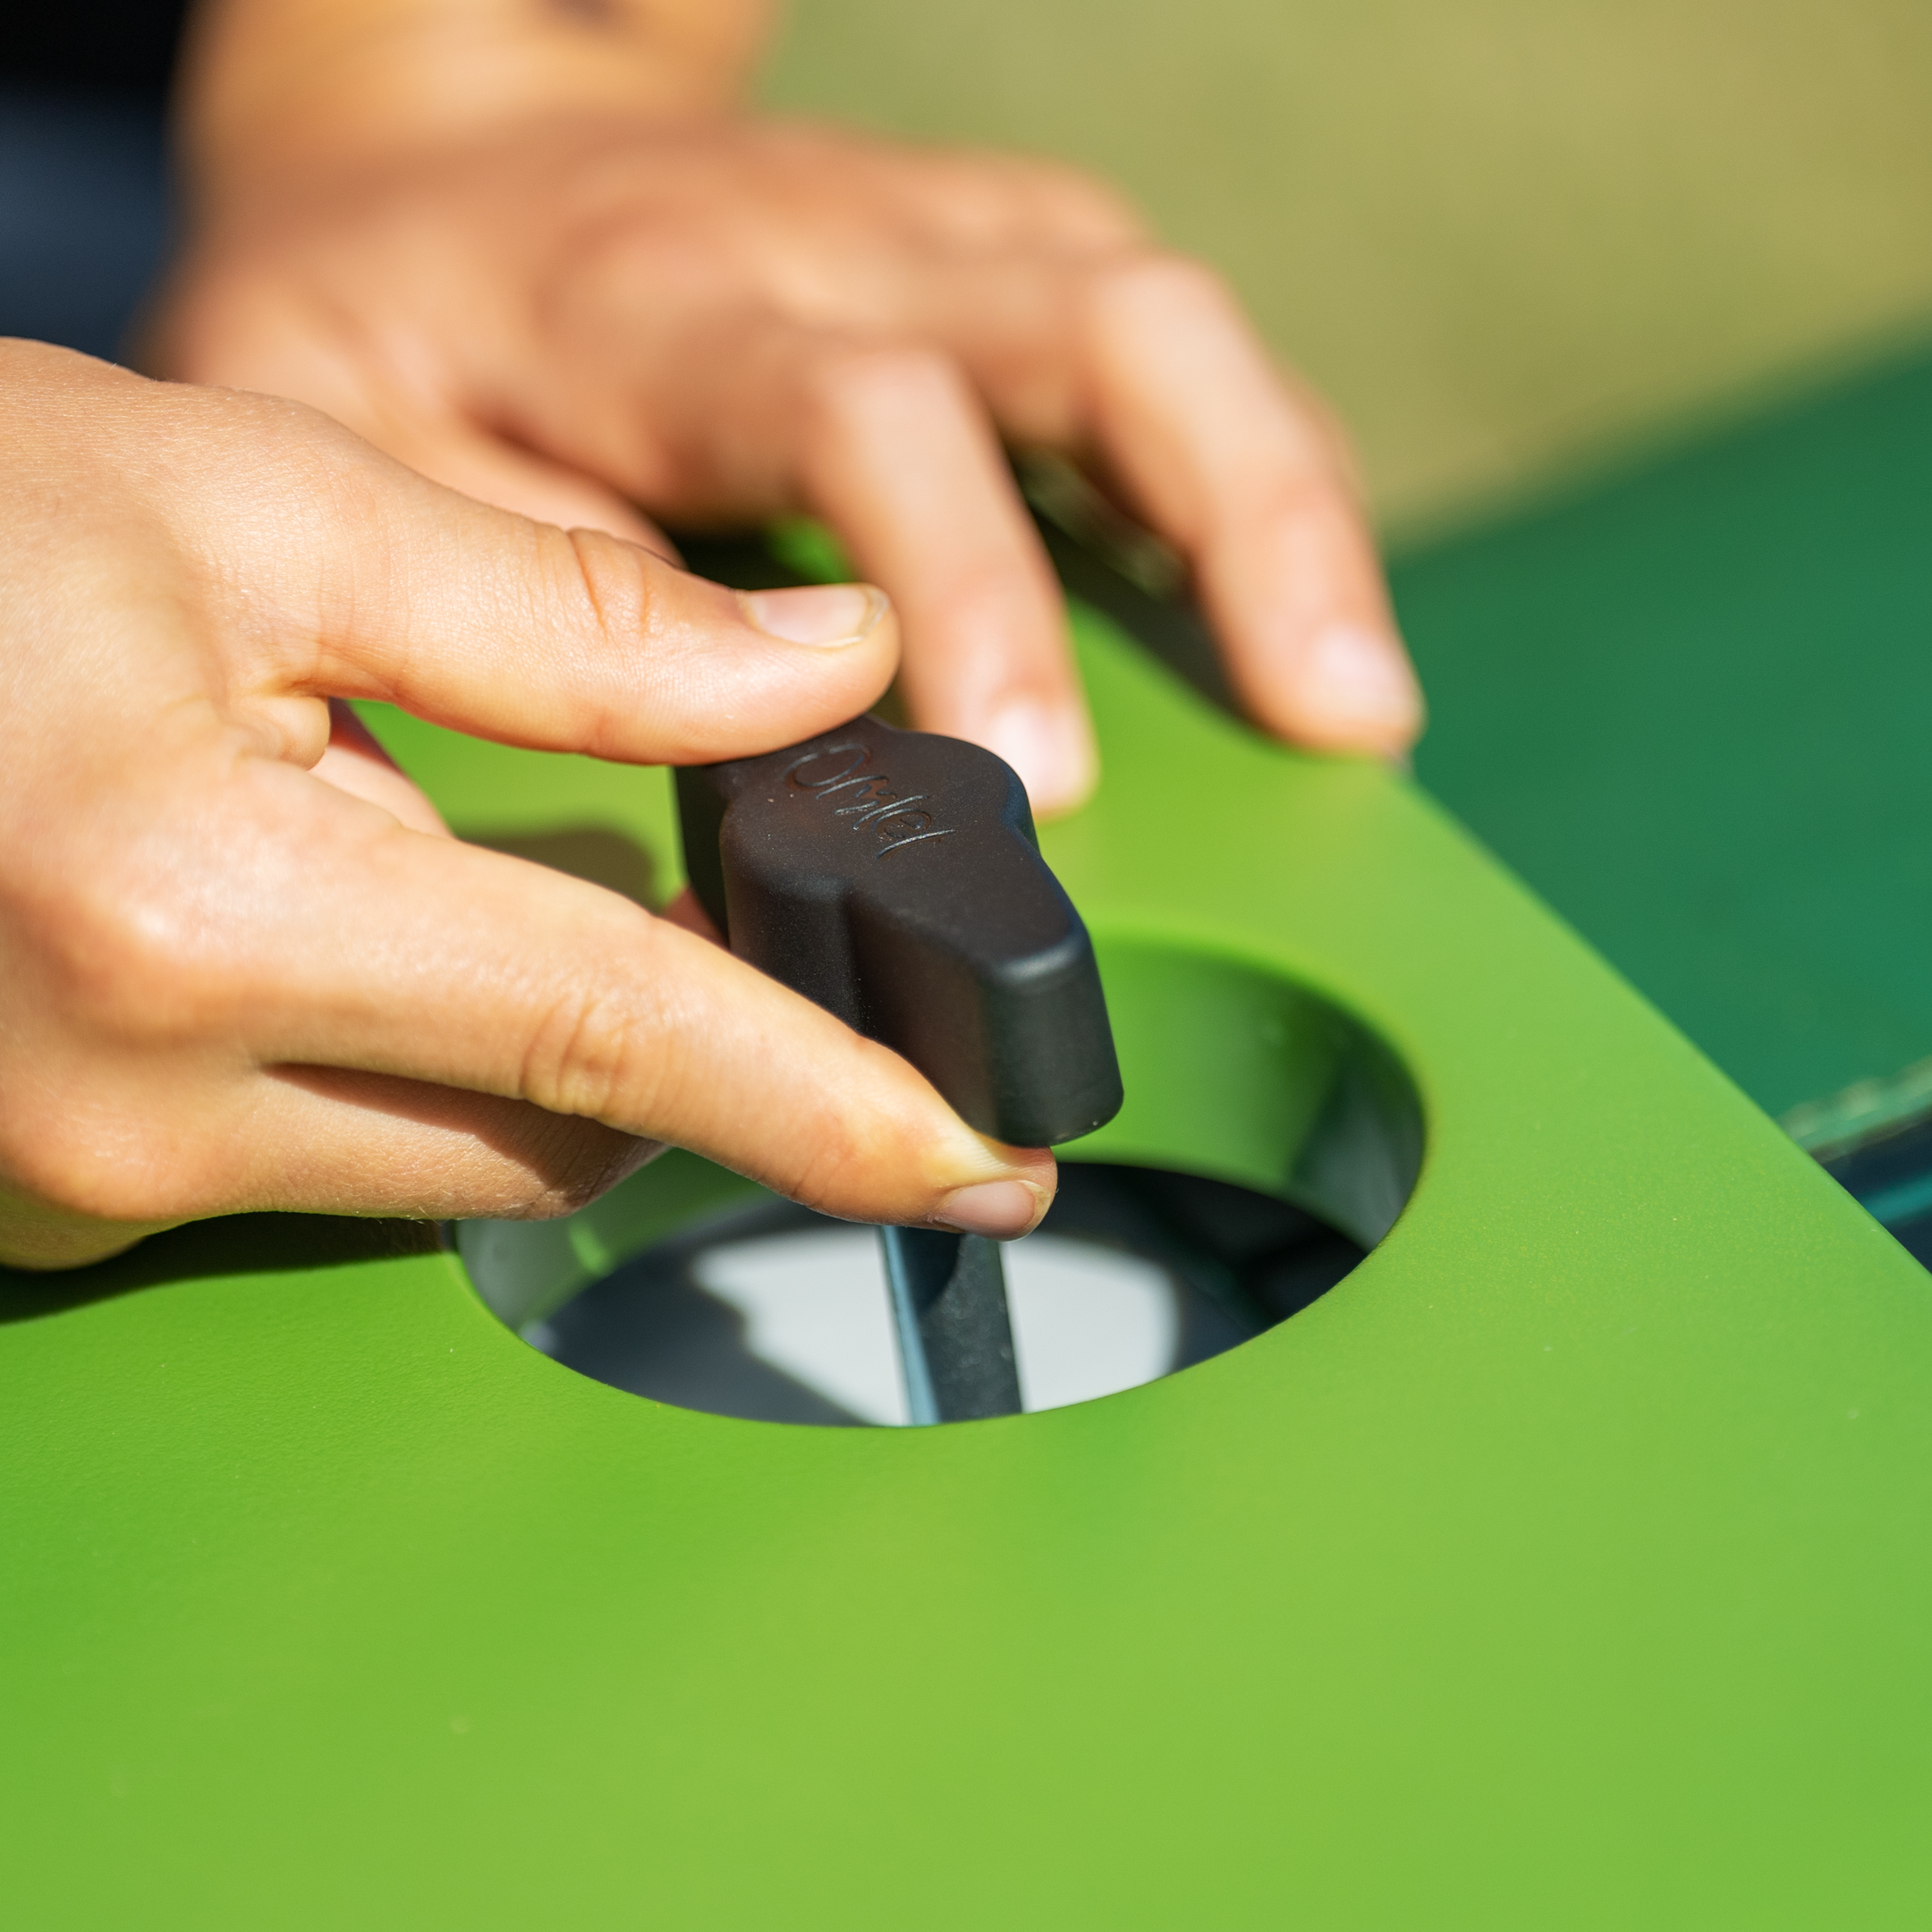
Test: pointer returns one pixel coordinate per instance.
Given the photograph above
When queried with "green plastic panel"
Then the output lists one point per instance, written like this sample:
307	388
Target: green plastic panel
1571	1563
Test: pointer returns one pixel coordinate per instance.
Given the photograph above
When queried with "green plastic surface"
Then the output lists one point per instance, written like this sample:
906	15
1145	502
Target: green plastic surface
1690	703
1568	1564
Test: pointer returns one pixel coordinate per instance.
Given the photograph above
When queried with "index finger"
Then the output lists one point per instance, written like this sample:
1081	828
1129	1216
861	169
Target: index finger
413	956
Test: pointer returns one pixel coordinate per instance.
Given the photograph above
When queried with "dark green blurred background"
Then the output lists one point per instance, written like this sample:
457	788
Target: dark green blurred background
1629	307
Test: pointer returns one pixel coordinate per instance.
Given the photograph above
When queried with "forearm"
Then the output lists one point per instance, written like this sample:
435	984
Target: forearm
279	87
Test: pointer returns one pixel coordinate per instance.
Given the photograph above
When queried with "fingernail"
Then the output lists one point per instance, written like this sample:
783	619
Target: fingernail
1050	746
1361	676
1003	1210
823	614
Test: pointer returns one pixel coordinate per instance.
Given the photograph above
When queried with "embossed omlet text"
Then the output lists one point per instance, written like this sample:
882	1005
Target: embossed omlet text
865	799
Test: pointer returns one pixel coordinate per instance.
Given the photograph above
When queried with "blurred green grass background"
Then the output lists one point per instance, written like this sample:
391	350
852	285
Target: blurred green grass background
1508	238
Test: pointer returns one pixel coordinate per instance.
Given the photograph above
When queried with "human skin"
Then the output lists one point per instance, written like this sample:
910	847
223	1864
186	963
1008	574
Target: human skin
247	967
536	250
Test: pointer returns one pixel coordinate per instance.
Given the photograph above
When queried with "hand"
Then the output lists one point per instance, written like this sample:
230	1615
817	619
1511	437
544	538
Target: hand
719	320
244	965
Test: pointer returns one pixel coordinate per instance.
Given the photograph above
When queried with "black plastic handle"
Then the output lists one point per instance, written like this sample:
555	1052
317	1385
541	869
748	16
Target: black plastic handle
893	878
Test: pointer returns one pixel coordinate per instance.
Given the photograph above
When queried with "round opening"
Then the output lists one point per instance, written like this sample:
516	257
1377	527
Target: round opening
1269	1141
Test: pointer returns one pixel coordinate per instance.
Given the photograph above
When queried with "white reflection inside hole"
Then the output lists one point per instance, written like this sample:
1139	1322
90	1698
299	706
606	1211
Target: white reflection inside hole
1088	1320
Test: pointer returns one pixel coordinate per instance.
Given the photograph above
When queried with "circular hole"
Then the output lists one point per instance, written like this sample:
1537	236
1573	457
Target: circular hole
1269	1139
775	1314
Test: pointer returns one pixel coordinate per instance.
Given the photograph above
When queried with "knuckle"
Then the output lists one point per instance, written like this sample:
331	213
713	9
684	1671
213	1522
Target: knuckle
276	426
142	964
607	607
610	583
96	1163
585	1059
636	266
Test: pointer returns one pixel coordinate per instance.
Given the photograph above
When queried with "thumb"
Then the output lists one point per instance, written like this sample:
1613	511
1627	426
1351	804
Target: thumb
347	574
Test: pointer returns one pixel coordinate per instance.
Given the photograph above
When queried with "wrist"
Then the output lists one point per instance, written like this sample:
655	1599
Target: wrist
273	91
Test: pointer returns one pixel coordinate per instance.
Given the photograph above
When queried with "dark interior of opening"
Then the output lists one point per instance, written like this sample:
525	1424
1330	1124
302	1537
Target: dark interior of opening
1235	1262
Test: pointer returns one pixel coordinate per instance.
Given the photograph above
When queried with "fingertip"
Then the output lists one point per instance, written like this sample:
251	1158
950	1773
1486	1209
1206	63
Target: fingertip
1348	688
1360	692
824	616
1004	1206
1051	745
1001	1210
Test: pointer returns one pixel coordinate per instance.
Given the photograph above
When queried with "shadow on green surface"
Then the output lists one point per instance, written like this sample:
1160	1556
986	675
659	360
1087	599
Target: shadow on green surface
235	1244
